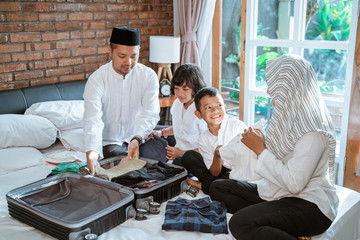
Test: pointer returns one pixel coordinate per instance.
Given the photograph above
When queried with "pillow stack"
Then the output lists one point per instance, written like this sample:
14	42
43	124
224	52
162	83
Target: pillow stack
17	130
67	117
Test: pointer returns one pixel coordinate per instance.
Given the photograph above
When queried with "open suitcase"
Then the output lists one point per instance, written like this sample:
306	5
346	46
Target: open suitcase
159	193
71	206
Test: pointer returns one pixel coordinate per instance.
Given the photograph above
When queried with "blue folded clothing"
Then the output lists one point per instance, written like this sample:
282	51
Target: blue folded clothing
199	215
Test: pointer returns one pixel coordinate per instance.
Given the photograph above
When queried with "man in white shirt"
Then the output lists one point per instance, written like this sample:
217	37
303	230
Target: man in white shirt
121	101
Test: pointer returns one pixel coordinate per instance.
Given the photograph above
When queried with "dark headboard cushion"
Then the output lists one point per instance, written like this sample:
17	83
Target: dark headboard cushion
12	101
71	90
18	100
41	94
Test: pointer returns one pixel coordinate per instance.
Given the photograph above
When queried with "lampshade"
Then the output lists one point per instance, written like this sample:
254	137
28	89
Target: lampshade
164	49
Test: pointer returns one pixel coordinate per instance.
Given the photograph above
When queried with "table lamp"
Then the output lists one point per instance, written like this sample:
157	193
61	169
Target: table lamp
164	50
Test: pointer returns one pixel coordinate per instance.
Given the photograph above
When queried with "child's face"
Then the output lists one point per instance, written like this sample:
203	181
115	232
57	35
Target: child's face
212	110
183	93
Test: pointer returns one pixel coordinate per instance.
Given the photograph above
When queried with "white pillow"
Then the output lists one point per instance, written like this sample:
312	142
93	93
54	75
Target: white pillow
17	130
63	114
73	139
13	159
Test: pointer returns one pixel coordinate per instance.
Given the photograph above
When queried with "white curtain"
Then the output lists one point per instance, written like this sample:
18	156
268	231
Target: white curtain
205	26
204	37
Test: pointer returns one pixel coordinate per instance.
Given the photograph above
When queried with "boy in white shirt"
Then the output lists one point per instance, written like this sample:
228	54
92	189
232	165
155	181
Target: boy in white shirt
207	165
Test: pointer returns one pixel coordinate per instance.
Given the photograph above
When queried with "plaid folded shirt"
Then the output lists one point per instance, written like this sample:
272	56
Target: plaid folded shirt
199	215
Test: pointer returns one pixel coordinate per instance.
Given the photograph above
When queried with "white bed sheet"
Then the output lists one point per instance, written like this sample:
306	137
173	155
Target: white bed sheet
346	225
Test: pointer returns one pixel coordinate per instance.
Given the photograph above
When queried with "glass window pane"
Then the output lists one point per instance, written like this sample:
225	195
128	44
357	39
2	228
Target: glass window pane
275	19
328	20
232	107
264	54
263	109
330	68
230	64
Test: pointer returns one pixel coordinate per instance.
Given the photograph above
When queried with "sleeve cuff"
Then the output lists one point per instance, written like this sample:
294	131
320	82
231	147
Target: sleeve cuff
261	157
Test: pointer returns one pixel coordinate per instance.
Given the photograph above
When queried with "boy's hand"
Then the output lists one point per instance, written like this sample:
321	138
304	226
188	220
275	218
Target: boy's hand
254	139
164	132
217	151
155	132
216	166
173	152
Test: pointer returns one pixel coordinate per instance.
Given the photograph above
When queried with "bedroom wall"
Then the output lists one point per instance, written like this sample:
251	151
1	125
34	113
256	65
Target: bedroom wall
64	40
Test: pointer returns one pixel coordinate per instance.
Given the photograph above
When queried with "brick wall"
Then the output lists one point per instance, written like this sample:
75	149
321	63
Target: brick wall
64	40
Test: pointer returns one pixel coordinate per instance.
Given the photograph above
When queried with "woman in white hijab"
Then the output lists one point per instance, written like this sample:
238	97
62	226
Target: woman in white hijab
295	196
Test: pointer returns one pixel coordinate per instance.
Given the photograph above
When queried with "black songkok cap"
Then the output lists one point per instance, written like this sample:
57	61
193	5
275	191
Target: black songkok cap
125	36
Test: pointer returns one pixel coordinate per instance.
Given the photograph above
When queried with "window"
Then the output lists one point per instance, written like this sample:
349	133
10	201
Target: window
230	62
322	31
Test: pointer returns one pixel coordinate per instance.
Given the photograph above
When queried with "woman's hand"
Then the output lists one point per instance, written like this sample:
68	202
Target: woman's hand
173	152
254	139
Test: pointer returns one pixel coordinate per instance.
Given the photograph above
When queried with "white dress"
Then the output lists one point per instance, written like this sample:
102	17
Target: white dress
303	173
187	126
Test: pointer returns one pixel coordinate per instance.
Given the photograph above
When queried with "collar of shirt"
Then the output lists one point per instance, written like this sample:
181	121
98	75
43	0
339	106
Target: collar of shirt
221	130
120	76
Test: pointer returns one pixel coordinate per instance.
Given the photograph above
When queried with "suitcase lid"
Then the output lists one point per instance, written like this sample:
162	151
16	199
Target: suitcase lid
70	198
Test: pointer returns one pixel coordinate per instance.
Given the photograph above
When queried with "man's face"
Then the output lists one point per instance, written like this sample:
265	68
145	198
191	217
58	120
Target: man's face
124	58
212	110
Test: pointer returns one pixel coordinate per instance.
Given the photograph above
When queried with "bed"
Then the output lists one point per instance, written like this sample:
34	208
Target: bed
28	150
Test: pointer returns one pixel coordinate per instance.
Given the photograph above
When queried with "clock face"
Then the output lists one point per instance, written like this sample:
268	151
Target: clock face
165	90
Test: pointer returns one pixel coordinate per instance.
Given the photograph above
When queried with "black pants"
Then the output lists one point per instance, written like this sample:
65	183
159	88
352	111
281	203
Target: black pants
113	150
152	149
255	218
194	163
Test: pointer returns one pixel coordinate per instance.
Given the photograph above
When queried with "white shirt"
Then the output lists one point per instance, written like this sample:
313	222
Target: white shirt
187	126
303	173
208	142
117	108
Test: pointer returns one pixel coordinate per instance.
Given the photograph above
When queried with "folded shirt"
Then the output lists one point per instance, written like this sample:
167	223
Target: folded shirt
199	215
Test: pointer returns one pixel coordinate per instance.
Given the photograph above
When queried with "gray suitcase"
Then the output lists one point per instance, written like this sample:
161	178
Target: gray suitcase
71	206
161	192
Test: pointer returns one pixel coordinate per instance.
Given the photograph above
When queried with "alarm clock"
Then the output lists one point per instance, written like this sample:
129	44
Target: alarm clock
165	87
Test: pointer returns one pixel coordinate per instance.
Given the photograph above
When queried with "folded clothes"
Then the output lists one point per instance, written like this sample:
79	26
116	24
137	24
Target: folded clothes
126	165
158	171
67	167
199	215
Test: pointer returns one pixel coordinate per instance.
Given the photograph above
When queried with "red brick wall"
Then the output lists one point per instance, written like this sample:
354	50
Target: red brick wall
59	40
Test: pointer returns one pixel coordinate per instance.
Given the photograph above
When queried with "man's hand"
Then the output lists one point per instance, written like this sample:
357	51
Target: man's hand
92	161
173	152
133	148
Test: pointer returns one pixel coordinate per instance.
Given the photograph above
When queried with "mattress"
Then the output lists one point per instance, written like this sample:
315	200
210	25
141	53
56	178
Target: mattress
346	225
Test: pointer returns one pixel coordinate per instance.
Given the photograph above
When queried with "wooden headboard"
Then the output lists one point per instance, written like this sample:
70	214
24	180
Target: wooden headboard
16	101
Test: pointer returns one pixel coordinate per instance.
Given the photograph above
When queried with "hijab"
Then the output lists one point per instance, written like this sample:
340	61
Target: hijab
299	107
